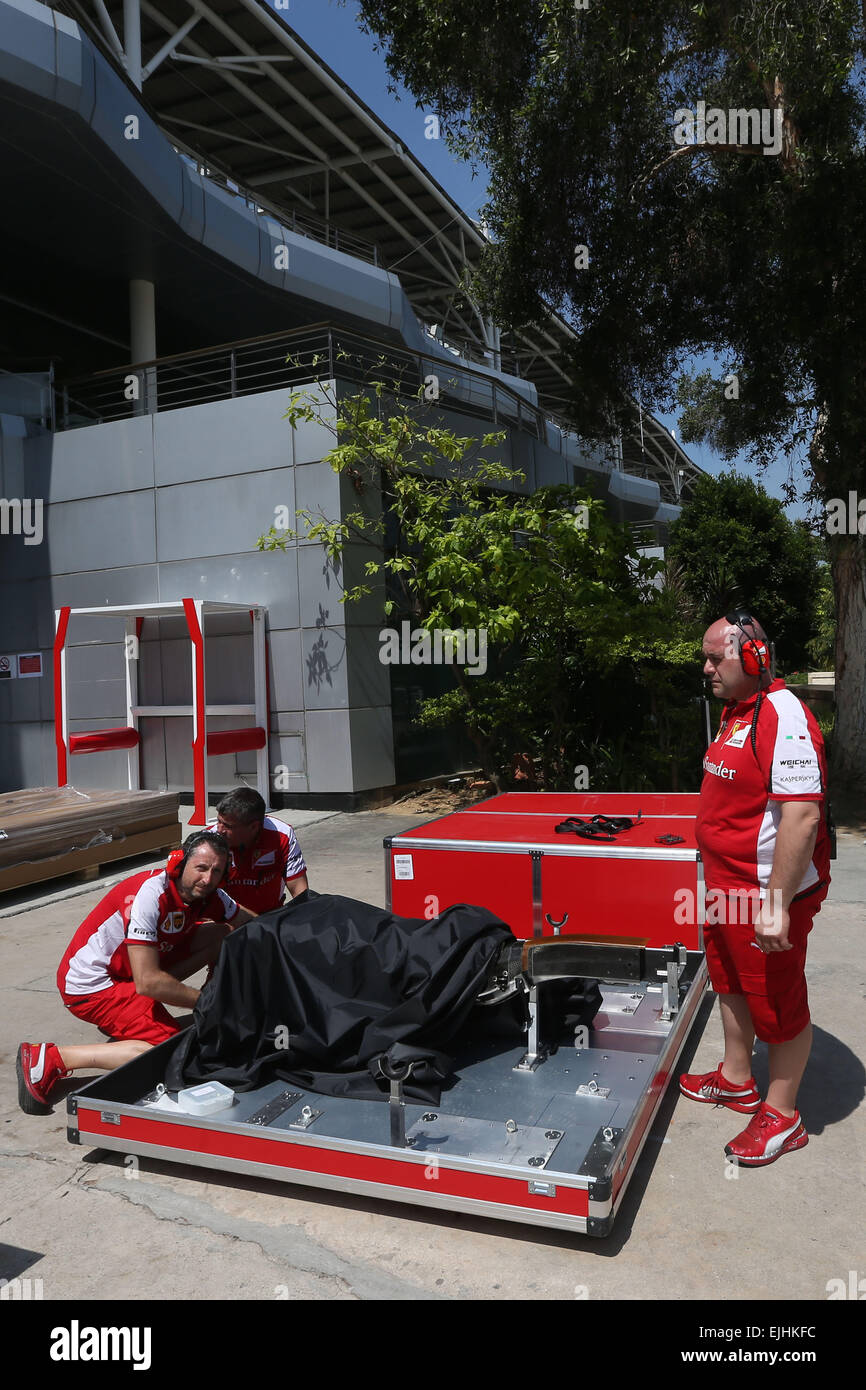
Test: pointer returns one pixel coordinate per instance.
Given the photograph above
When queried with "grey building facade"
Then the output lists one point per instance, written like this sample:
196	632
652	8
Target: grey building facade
162	496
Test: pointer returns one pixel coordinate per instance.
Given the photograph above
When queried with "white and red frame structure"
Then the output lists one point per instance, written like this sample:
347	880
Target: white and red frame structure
195	611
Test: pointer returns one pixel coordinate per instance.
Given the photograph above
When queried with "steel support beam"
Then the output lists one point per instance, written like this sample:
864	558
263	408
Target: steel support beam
132	40
109	30
169	46
234	81
310	106
295	171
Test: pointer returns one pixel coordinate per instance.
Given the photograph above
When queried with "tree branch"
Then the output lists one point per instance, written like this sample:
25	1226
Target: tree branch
692	149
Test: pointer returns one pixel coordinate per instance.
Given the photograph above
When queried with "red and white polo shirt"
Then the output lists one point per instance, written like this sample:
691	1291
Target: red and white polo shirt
257	872
145	907
743	790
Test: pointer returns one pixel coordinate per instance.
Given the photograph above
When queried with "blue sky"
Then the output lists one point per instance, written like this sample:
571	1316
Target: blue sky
332	31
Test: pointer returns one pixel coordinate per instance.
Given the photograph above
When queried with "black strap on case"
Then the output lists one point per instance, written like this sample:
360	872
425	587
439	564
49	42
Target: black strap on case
598	827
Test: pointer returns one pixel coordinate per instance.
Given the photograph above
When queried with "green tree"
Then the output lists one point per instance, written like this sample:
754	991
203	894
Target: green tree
706	228
736	548
583	644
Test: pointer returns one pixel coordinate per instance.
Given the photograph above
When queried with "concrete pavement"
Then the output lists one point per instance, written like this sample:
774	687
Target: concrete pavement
95	1225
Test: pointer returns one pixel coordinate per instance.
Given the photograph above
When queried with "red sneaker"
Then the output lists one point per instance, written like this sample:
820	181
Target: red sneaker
38	1065
766	1137
712	1088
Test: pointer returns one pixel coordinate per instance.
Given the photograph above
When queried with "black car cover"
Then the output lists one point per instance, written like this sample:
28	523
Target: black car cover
322	989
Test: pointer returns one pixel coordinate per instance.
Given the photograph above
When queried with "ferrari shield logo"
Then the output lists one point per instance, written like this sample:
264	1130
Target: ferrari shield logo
173	922
739	733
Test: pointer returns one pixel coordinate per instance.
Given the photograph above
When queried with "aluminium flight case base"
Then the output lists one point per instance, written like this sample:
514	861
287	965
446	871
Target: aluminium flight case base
523	1146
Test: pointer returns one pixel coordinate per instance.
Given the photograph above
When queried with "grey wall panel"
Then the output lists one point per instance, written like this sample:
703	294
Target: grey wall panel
26	700
178	753
150	151
191	219
27	756
27	619
633	491
372	748
369	679
176	668
219	517
149	671
326	684
320	588
288	674
285	753
329	750
318	491
99	588
84	629
103	701
369	610
229	672
224	439
272	263
338	281
26	557
256	577
288	721
13	444
87	664
550	469
70	62
110	458
228	234
107	532
153	765
27	51
311	440
99	771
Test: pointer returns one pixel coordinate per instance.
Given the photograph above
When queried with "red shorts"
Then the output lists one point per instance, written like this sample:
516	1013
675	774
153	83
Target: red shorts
122	1014
774	985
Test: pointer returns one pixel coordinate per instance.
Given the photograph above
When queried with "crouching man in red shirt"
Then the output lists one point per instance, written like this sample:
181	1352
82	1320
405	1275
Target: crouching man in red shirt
762	832
129	959
265	855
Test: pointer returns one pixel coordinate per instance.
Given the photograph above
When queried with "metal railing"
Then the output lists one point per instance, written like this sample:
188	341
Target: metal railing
306	224
288	360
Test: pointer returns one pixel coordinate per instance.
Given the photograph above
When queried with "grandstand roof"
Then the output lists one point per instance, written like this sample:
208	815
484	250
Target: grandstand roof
230	82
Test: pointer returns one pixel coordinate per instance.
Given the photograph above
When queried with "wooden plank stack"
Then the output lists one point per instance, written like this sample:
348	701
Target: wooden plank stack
46	832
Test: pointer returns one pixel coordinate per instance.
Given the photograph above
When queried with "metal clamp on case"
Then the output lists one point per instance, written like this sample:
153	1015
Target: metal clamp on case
670	978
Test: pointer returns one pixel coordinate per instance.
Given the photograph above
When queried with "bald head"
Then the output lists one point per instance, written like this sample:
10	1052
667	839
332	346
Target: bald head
722	665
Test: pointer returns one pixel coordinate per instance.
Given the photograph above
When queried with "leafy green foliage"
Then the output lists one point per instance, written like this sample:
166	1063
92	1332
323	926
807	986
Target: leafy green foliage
736	548
590	664
759	258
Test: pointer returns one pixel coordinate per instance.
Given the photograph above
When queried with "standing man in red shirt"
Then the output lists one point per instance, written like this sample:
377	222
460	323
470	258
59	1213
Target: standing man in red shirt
265	854
762	833
128	959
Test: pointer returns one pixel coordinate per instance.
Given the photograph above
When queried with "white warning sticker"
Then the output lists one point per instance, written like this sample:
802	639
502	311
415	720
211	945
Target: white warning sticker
403	866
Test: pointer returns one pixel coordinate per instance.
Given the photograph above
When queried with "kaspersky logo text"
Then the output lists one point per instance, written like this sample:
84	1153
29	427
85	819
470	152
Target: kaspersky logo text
77	1343
719	769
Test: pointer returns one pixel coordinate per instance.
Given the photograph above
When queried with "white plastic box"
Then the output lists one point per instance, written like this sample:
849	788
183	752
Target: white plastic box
206	1098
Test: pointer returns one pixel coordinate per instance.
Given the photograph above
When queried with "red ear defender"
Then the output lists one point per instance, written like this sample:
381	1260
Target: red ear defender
754	657
754	653
174	863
